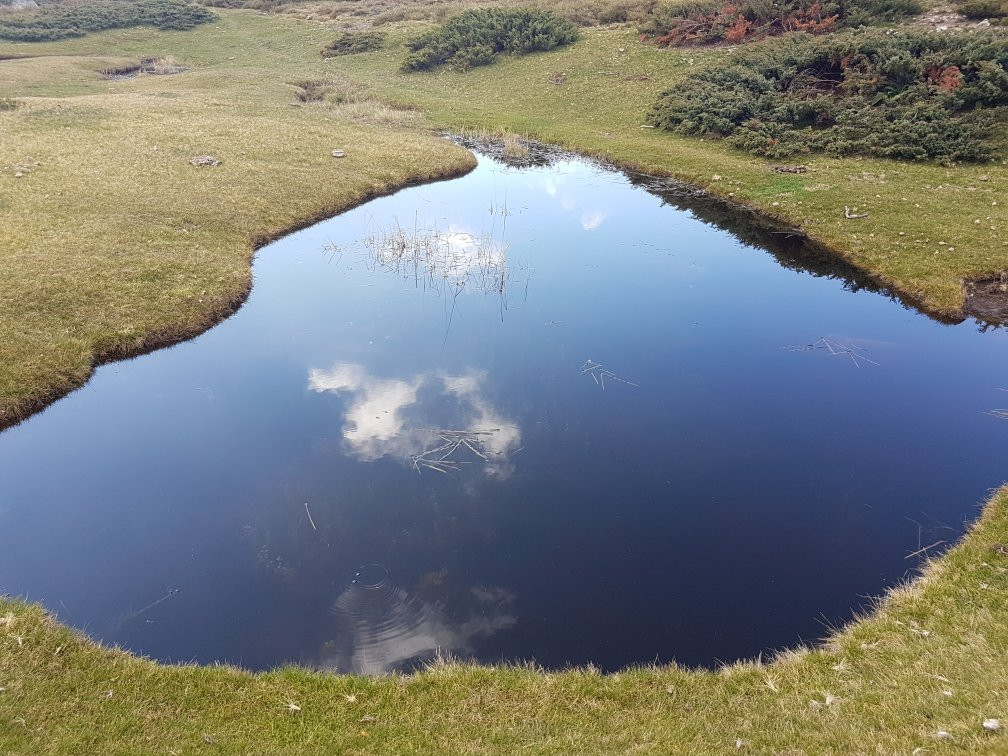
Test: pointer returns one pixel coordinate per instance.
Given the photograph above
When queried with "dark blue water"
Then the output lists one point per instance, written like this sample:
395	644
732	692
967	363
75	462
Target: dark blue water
399	445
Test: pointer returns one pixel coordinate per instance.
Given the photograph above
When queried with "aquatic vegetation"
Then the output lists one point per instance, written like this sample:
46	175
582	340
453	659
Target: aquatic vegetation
476	37
444	261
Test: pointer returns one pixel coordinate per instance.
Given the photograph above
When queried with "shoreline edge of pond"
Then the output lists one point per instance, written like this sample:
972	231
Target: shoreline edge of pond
491	145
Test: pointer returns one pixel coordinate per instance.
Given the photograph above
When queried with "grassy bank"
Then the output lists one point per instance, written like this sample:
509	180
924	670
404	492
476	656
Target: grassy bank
113	243
113	249
916	212
933	660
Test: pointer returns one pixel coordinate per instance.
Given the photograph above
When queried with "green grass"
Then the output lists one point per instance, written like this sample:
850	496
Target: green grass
611	82
113	243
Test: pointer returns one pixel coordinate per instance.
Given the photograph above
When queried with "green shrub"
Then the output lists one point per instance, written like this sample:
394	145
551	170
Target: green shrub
476	37
8	103
60	20
351	43
981	9
712	21
911	95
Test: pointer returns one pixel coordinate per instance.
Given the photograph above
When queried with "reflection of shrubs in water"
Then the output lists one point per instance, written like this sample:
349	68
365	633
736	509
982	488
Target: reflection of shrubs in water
59	20
354	42
475	37
791	248
510	149
910	95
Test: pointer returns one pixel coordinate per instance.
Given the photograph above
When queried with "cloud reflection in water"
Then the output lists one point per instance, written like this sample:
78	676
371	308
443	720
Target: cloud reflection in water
382	628
390	417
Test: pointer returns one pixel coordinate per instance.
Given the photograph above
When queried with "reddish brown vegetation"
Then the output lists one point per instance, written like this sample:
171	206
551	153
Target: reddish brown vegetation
708	24
948	78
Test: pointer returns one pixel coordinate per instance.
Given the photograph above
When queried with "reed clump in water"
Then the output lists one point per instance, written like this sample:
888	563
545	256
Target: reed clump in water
442	261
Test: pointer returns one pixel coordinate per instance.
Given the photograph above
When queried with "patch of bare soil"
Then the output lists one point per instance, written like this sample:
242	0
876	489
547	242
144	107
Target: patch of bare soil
987	299
945	18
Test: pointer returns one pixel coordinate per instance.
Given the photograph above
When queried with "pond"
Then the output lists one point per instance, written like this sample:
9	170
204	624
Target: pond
527	414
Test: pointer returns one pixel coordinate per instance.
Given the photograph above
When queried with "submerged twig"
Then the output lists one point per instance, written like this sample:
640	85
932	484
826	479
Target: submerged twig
921	551
152	604
599	373
440	457
309	516
835	350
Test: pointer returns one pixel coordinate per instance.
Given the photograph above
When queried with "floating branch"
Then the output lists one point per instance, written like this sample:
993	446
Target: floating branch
600	374
440	457
836	350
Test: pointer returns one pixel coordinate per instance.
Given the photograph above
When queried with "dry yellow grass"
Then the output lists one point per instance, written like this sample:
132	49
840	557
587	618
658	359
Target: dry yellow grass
114	243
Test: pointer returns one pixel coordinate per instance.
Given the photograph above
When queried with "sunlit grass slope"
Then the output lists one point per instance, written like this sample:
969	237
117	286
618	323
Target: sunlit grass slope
113	242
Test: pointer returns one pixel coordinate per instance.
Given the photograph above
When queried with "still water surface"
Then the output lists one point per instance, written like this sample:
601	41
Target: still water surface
524	414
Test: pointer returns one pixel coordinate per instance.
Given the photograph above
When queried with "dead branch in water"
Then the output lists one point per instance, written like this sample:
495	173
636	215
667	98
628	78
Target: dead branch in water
599	373
440	457
836	350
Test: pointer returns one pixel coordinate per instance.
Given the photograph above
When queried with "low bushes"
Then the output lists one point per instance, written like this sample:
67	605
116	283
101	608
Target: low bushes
60	20
476	37
984	9
911	95
712	21
351	43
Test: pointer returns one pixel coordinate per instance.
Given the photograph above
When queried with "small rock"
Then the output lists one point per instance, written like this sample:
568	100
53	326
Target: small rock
19	174
207	160
943	734
992	725
985	24
338	153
